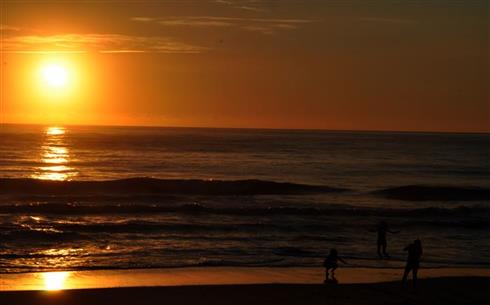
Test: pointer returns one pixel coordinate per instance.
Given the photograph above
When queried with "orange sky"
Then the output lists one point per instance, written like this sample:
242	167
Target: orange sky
357	65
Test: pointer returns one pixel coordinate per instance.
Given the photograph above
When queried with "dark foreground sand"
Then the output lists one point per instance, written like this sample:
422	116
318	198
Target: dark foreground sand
449	290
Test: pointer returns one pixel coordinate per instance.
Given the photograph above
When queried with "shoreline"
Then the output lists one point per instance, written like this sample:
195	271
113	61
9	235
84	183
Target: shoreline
199	276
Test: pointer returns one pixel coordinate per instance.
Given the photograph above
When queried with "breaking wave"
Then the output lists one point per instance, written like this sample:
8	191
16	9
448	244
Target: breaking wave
153	186
432	193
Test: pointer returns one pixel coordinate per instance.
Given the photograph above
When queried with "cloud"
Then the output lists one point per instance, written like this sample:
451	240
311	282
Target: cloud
143	19
246	5
261	25
195	22
250	8
260	29
228	2
286	26
102	43
4	27
388	20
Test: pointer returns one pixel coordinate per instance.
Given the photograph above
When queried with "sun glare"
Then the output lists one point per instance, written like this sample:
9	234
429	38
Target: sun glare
54	280
55	131
57	80
54	75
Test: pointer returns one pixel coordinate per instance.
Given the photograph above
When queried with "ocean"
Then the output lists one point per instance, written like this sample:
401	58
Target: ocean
85	198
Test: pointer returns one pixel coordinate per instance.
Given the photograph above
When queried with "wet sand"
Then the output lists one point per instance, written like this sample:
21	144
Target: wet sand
216	276
450	290
251	286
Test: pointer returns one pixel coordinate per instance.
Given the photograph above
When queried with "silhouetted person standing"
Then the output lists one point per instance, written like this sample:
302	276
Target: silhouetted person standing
330	263
381	231
413	261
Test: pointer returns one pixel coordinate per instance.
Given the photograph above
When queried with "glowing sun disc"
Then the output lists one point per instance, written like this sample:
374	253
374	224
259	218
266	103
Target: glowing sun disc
55	76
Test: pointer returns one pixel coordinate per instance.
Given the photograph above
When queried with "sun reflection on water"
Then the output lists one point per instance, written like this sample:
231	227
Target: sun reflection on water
55	157
55	131
55	280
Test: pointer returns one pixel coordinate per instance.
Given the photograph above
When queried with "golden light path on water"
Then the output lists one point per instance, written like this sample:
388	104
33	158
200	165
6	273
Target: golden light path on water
55	156
55	280
55	159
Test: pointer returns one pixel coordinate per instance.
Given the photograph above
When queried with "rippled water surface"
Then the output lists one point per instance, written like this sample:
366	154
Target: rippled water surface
77	197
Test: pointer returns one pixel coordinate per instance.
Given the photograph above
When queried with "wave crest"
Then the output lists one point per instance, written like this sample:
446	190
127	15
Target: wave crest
153	186
433	193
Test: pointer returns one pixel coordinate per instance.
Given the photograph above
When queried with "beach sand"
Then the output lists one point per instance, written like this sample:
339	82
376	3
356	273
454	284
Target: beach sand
454	290
217	276
251	286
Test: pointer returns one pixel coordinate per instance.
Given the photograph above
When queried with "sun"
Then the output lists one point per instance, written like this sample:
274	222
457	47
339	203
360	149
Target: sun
56	79
54	75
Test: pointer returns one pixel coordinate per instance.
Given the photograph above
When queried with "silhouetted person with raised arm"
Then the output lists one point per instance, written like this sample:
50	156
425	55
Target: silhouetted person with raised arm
330	263
413	261
381	231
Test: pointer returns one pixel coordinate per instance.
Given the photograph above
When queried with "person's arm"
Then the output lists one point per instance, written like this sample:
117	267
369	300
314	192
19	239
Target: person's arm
393	232
340	259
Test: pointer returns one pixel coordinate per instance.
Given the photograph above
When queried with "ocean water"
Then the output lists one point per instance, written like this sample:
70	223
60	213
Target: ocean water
77	197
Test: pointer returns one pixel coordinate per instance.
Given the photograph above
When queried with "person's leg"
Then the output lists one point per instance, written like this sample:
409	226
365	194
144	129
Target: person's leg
379	250
384	249
405	274
326	275
333	271
414	274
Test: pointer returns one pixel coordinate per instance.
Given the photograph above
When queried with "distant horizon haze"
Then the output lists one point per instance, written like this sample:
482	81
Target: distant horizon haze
246	128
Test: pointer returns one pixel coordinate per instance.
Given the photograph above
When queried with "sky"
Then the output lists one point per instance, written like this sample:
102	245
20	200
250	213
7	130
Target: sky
306	64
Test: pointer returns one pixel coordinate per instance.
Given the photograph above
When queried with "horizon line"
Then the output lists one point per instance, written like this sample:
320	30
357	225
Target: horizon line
255	128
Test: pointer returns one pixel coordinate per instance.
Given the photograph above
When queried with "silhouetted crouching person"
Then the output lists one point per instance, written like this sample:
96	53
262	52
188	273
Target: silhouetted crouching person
413	261
330	264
